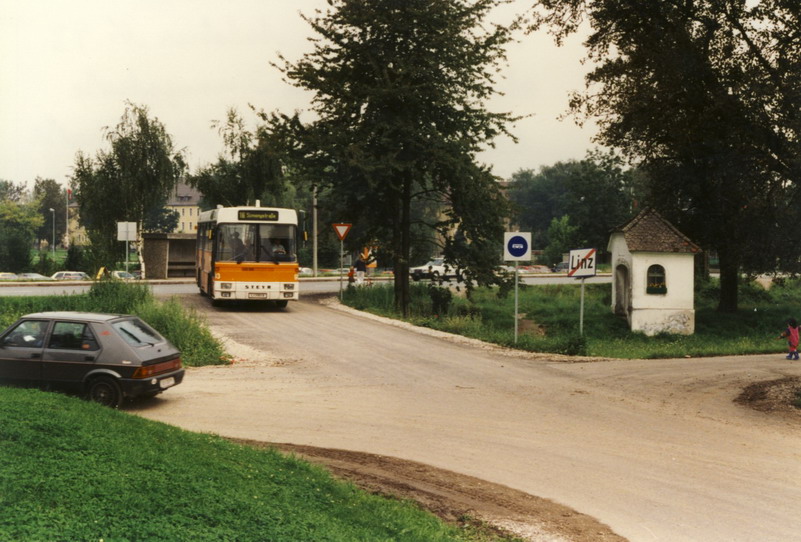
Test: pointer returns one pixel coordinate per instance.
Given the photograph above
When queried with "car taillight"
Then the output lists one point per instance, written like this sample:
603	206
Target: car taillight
163	367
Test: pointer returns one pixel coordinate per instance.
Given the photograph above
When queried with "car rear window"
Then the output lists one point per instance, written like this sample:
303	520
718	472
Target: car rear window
136	333
72	336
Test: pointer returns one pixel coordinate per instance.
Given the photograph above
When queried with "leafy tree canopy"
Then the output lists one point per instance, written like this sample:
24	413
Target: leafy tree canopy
399	93
704	96
597	193
11	192
51	195
250	168
123	183
19	221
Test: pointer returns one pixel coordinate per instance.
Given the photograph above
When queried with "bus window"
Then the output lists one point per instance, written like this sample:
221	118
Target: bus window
234	242
277	242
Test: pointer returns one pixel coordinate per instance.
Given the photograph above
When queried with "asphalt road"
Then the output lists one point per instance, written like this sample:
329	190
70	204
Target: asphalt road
187	286
656	449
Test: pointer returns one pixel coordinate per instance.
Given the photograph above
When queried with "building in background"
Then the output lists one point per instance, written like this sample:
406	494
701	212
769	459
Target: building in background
185	200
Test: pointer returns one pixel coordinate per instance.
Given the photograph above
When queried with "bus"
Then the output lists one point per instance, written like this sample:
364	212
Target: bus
248	253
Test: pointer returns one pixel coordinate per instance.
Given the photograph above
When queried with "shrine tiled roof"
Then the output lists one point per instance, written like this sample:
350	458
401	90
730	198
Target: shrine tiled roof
649	232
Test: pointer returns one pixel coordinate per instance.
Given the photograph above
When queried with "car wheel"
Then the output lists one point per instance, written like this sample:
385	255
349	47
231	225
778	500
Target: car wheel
106	391
435	275
416	277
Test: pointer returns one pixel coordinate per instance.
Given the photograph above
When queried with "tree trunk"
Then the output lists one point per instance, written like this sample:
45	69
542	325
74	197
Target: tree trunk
397	265
405	234
729	281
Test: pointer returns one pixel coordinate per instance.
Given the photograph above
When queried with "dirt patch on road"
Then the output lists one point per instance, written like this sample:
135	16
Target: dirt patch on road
773	396
455	497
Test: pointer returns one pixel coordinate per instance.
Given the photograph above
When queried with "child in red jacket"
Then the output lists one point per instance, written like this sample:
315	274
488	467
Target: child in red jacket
792	338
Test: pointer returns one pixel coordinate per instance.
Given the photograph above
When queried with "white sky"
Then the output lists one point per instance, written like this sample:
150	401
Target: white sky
68	66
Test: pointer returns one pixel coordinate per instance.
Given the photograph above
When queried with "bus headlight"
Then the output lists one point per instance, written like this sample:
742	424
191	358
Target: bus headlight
289	286
226	286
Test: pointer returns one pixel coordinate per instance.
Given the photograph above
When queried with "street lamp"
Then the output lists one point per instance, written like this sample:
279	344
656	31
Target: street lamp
53	211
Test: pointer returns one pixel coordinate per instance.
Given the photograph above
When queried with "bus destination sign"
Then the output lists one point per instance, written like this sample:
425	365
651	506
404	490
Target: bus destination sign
251	214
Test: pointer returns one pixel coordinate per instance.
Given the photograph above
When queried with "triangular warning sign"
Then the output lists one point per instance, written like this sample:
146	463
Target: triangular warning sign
342	230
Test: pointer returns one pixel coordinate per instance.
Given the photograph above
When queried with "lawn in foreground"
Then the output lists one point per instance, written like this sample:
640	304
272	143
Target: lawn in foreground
72	470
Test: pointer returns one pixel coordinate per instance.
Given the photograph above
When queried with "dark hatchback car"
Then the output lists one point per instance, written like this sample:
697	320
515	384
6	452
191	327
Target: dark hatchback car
107	357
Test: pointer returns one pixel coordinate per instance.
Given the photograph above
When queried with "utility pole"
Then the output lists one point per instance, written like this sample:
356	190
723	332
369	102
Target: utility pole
314	231
53	213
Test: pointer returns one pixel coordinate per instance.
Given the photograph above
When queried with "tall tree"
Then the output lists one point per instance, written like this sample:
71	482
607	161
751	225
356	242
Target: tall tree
250	169
11	192
399	94
595	192
704	95
19	221
51	195
123	183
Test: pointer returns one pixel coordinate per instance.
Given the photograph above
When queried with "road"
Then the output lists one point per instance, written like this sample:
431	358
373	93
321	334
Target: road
655	449
187	286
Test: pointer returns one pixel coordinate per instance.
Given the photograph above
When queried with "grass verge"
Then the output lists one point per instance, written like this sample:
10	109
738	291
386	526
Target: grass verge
182	327
550	319
73	470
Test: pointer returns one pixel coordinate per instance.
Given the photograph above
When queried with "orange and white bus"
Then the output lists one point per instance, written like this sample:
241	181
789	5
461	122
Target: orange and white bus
248	253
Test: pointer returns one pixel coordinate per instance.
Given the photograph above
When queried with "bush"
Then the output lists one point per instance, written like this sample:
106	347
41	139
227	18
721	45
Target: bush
185	329
440	299
75	261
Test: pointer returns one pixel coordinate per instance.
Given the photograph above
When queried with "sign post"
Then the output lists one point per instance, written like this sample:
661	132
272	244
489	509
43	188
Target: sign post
517	248
126	231
342	232
582	265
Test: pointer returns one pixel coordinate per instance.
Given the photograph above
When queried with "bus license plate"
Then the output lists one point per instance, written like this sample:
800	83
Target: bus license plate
257	295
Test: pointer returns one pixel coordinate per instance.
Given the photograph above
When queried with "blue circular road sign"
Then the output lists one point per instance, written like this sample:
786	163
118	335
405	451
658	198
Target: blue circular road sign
517	246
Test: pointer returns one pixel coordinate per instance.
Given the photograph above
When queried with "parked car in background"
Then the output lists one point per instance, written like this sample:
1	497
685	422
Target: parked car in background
70	275
33	276
8	276
123	275
535	269
561	267
434	269
106	357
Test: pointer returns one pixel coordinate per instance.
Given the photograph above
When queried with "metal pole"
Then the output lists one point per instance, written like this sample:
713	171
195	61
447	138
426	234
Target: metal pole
581	317
53	211
314	231
341	264
67	219
517	319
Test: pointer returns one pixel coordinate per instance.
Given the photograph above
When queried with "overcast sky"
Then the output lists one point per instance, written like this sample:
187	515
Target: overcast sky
68	66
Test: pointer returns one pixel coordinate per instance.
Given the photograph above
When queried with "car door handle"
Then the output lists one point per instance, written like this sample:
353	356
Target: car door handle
36	356
89	358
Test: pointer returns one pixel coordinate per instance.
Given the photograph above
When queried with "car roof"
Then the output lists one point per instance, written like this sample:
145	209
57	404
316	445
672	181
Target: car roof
75	315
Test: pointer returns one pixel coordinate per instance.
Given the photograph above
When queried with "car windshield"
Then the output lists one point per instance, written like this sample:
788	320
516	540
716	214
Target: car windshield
136	333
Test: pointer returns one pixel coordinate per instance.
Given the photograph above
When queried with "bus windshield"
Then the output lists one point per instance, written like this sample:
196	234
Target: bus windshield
256	243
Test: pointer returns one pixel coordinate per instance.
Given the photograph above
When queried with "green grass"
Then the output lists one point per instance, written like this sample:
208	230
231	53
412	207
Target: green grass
73	470
182	327
752	330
